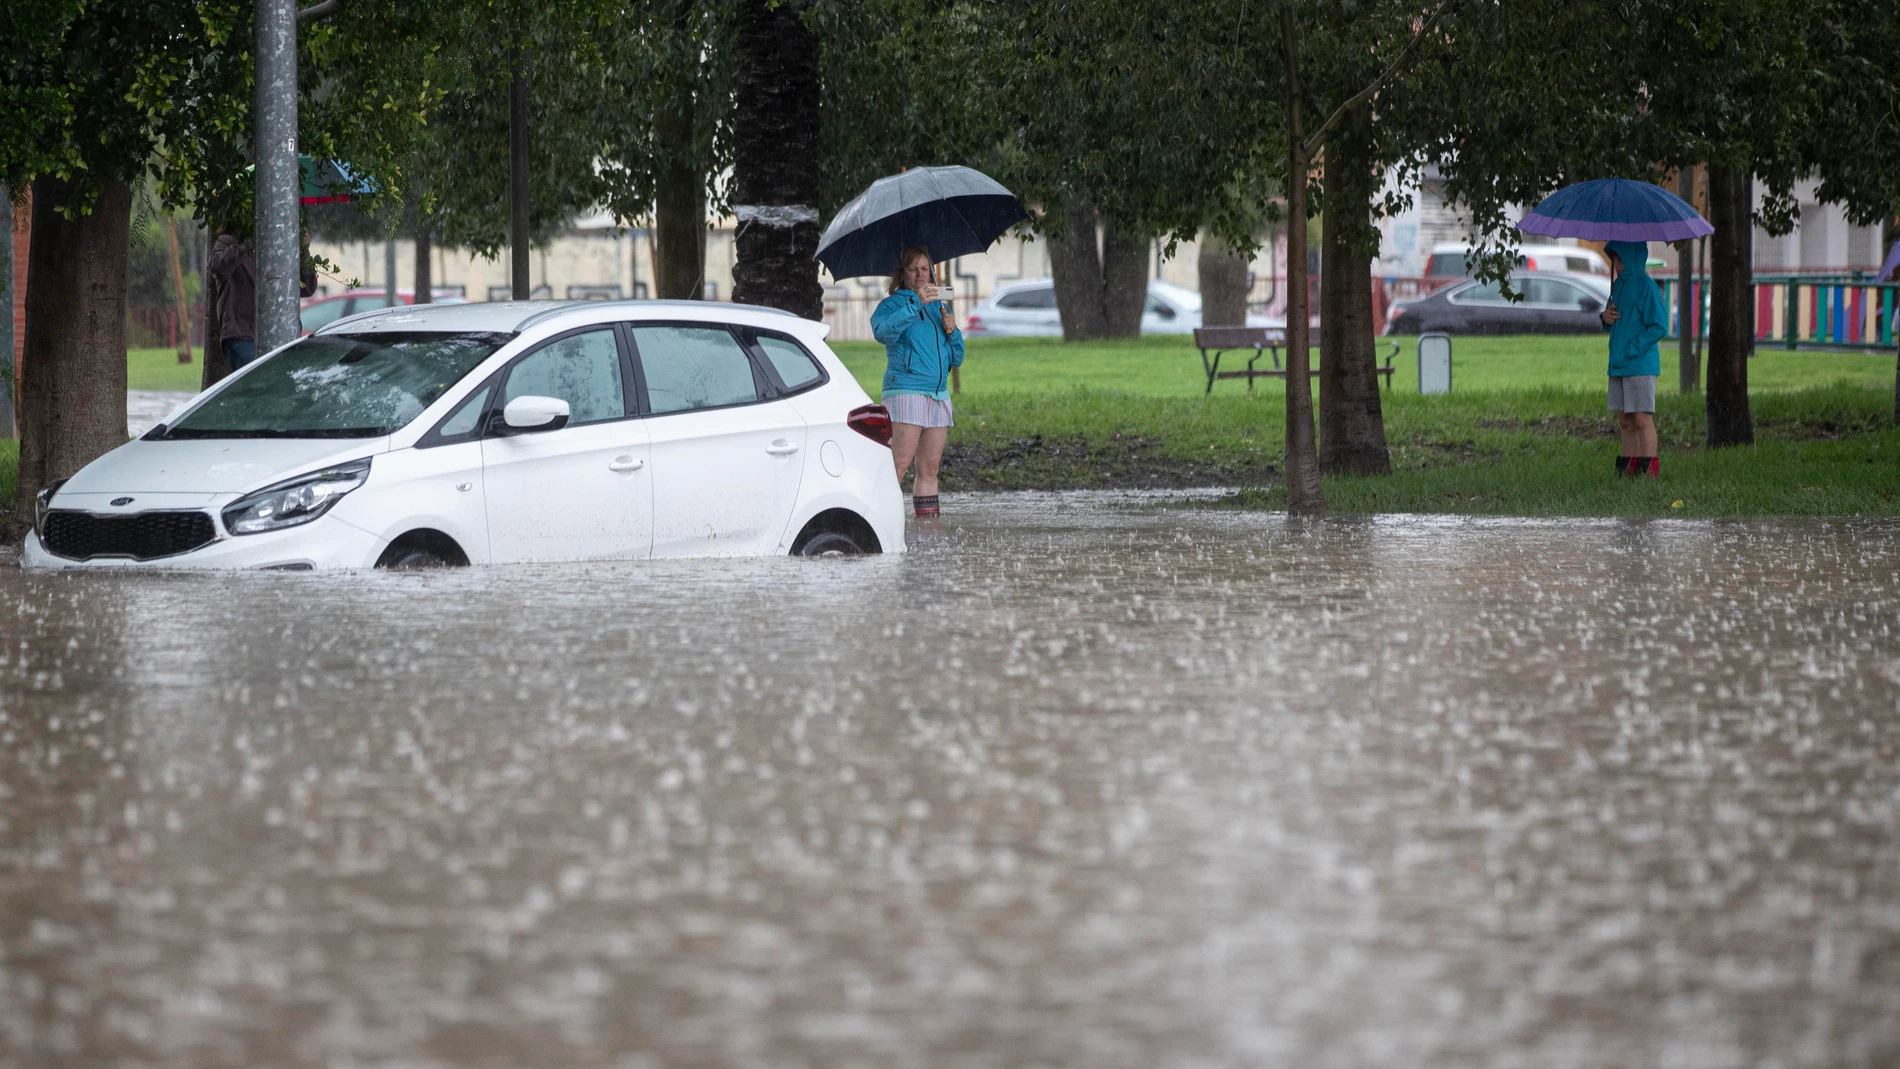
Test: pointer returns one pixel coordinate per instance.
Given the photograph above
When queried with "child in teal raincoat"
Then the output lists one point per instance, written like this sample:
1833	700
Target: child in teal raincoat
1636	320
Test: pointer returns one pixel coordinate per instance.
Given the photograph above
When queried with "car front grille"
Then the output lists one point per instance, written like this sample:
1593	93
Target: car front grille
138	535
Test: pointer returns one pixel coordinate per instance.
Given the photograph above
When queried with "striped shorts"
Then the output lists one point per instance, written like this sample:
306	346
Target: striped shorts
918	410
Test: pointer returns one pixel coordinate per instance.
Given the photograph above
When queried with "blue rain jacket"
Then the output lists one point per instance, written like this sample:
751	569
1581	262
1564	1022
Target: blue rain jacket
918	355
1644	320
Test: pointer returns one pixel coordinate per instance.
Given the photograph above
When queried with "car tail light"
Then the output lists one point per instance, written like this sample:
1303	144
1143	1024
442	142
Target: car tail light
975	325
1530	265
872	421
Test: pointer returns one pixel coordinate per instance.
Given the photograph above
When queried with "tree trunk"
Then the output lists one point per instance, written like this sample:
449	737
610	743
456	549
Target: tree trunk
11	266
1688	371
1351	416
1077	269
425	268
1098	295
216	367
1124	283
1890	233
1304	494
72	401
1223	284
679	202
518	246
1731	305
776	160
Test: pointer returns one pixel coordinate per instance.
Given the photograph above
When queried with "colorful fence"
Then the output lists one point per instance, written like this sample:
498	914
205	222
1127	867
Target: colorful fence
1832	312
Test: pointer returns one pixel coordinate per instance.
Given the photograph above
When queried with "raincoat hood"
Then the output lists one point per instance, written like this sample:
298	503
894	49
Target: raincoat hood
1634	254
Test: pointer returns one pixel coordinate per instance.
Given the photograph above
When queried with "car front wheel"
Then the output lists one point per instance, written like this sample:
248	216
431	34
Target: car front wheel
829	544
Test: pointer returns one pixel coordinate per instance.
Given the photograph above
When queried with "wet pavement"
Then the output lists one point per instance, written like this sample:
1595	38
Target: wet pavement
145	409
1073	784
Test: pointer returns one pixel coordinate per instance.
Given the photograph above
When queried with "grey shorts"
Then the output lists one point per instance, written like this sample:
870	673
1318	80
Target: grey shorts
1632	393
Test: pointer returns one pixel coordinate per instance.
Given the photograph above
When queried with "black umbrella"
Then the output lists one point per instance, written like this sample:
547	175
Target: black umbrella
952	211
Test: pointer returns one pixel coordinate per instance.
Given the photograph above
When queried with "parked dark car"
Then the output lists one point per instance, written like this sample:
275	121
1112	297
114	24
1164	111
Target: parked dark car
1550	302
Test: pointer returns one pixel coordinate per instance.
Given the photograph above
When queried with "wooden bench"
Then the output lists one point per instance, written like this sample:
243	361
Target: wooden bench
1264	341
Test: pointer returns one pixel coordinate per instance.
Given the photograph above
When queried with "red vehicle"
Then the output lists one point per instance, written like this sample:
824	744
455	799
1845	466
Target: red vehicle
327	309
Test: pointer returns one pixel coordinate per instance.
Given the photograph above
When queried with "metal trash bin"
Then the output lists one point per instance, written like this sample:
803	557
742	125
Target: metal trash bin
1434	363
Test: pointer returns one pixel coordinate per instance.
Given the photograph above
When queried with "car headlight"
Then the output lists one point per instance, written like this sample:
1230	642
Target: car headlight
43	501
294	501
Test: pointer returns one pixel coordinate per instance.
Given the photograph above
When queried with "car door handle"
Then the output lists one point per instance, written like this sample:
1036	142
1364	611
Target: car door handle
626	464
782	448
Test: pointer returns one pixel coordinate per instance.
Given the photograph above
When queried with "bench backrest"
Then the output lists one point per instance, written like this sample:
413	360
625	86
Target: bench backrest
1232	337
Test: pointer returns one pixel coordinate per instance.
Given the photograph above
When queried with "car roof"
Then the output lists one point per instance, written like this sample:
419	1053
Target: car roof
1461	246
513	317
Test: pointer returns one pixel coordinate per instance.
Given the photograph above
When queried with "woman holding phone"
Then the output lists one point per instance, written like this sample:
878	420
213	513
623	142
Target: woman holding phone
921	344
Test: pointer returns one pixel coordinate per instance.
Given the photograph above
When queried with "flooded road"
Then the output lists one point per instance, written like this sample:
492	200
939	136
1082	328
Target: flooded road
1072	784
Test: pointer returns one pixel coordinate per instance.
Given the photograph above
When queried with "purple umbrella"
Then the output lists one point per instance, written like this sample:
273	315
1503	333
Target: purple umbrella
1615	209
1893	264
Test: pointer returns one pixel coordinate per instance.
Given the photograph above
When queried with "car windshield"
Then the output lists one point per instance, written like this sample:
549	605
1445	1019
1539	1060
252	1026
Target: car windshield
339	386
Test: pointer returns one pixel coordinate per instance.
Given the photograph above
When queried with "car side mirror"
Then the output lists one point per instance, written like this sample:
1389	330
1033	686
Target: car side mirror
526	414
1590	304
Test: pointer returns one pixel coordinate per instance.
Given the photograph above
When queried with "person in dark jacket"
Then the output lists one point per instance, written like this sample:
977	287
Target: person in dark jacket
235	265
1636	320
921	345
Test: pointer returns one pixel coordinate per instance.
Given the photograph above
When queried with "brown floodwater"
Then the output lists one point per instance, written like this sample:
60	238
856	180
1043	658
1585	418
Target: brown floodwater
1078	782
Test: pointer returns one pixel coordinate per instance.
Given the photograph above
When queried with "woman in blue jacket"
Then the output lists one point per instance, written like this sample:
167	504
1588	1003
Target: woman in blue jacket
921	345
1636	321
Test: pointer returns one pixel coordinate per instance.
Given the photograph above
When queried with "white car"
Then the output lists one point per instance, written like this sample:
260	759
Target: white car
482	433
1028	309
1448	260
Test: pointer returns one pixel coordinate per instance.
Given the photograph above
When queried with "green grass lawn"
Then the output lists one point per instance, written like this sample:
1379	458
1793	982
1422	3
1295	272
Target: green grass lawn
159	369
1525	431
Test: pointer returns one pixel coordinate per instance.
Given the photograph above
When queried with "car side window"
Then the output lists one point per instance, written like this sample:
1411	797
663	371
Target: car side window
1031	299
466	417
794	365
321	314
1482	293
1159	309
687	368
1549	291
581	369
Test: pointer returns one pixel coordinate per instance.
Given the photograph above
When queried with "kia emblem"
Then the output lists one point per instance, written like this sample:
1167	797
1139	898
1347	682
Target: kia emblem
117	501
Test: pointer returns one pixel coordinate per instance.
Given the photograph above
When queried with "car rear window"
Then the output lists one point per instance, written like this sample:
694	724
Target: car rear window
795	367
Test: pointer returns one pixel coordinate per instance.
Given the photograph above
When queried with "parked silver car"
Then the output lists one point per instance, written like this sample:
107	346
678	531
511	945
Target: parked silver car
1028	309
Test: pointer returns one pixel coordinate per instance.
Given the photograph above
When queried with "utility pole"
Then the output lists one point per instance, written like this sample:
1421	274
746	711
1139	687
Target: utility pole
275	137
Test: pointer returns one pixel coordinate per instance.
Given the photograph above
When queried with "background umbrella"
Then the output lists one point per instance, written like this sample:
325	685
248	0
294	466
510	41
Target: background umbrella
1615	209
952	211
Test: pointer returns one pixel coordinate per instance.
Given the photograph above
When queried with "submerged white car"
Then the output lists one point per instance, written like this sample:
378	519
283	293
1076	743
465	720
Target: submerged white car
486	433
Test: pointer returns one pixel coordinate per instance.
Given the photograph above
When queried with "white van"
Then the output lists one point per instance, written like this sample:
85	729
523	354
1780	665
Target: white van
1449	260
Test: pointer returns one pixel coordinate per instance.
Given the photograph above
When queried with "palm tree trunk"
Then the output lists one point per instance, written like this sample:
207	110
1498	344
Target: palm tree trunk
776	160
